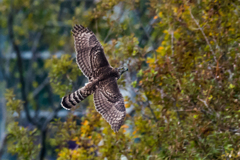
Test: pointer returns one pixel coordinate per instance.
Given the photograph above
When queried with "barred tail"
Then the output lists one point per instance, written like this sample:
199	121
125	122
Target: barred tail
72	99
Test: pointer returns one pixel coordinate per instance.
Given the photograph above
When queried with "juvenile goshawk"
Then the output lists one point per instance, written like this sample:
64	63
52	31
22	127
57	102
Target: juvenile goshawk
101	76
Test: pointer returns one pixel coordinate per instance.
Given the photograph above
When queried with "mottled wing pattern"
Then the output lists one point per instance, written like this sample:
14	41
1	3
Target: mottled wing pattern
90	54
109	103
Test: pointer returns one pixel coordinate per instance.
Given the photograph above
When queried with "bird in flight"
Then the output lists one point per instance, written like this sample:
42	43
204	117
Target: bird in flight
102	79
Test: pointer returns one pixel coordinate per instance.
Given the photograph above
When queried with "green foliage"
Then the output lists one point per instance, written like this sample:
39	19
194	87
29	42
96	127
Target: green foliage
22	142
122	49
13	104
62	73
183	78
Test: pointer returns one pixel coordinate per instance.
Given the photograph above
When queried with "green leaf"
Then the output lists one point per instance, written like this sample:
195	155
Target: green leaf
134	84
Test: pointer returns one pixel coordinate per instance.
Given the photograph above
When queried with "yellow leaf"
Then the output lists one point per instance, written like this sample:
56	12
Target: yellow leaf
231	86
125	126
210	97
165	31
159	49
35	84
75	139
134	132
74	152
175	9
85	123
150	60
160	14
61	154
61	42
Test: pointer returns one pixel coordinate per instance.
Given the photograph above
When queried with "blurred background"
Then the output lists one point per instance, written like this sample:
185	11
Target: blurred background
181	91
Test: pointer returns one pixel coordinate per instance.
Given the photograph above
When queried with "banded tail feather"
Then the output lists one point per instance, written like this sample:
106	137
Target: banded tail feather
71	100
76	97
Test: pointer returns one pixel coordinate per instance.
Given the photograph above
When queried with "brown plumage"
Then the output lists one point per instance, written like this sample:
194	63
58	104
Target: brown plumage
102	79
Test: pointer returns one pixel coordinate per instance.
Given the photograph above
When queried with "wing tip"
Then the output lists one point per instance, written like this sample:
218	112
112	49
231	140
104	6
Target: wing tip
115	126
115	122
116	129
79	28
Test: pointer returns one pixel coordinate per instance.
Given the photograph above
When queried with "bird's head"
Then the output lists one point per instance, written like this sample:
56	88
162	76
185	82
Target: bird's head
121	70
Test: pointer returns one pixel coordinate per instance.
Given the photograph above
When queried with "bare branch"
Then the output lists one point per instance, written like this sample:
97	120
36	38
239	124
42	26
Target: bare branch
110	30
3	135
204	35
154	116
34	57
19	61
44	132
20	67
205	102
3	144
144	29
172	45
40	87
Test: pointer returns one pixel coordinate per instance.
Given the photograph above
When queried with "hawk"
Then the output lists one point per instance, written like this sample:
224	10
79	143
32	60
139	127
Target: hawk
102	79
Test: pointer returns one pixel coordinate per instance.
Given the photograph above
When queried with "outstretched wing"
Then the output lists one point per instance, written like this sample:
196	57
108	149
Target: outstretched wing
110	104
90	54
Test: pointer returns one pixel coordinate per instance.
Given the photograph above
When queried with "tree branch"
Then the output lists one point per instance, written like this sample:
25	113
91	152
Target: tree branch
3	144
40	87
110	30
19	59
44	132
20	66
147	33
172	45
4	71
204	35
34	57
154	116
3	135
